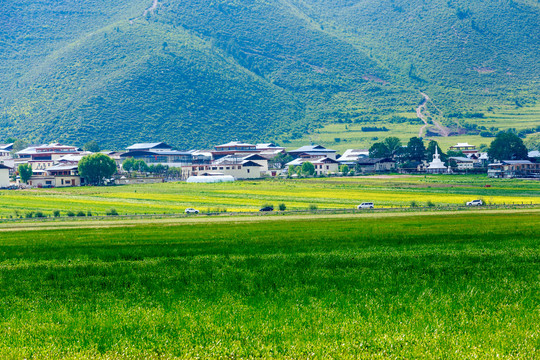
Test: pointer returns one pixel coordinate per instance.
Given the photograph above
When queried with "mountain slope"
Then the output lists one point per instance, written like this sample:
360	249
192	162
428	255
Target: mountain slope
195	72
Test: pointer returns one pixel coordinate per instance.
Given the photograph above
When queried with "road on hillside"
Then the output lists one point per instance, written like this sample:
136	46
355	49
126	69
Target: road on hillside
443	130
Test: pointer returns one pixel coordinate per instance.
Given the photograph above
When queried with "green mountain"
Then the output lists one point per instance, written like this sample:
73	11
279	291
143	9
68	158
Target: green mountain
198	72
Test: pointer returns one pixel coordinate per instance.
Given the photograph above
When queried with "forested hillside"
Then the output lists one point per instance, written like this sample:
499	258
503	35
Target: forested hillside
198	72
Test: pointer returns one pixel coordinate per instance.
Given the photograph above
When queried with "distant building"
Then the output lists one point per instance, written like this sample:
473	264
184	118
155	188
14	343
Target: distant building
313	151
463	163
244	170
465	148
6	147
210	179
376	165
351	156
242	158
4	176
65	175
270	150
234	147
514	169
436	166
534	155
157	153
323	165
157	146
47	152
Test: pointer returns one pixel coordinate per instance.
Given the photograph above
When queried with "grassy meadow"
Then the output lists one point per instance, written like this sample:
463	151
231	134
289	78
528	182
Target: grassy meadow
350	136
245	196
428	286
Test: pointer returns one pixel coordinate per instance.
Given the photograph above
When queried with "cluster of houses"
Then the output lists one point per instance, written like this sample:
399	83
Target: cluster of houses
56	165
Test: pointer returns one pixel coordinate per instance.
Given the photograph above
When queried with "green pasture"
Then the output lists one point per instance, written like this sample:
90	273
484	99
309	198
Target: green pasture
433	286
325	193
350	136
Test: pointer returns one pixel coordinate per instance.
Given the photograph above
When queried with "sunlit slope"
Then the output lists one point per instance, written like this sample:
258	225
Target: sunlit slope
195	72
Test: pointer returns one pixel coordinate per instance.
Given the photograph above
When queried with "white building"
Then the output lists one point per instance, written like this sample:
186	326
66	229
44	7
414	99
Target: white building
245	170
436	166
351	156
4	176
463	163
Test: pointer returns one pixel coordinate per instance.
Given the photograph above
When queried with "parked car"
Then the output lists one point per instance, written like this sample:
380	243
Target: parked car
267	208
365	205
475	203
191	211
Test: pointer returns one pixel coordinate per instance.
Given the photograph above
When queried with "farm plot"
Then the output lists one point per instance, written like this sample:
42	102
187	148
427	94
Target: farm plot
389	286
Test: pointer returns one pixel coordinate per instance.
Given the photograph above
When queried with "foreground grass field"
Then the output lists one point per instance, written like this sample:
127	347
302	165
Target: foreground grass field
377	286
324	193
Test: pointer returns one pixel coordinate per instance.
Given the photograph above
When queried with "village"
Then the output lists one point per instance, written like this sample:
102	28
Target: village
57	165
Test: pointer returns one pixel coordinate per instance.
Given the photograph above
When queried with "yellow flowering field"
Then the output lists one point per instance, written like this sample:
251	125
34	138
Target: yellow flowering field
324	193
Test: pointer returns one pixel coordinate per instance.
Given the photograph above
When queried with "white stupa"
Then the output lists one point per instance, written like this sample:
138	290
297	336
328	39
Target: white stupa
436	166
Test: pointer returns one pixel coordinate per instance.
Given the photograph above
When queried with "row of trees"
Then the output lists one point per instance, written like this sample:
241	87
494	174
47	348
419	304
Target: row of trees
506	146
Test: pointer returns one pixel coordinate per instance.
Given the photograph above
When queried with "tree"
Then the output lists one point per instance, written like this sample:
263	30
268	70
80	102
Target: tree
92	146
140	165
25	172
95	168
279	161
507	146
379	150
416	151
430	150
393	144
292	170
128	164
532	142
344	169
19	145
308	168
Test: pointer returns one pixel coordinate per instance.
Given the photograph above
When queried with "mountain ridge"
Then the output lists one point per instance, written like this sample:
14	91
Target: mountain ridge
197	73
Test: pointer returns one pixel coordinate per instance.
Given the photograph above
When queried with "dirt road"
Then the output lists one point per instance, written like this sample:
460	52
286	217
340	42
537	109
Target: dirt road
99	224
420	112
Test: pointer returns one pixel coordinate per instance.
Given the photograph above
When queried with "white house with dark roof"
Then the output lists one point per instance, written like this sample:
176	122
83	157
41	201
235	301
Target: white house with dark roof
158	153
313	151
4	176
157	146
514	169
350	156
323	165
244	170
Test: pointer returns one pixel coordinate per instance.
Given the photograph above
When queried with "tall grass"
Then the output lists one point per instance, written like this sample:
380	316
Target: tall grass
400	287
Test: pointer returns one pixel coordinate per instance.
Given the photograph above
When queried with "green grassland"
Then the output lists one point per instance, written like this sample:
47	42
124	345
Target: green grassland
325	193
461	285
350	135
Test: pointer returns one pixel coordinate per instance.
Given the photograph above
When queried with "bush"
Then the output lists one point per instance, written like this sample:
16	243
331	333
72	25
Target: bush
81	213
29	215
430	204
282	207
39	214
414	204
56	213
312	207
112	212
88	213
70	213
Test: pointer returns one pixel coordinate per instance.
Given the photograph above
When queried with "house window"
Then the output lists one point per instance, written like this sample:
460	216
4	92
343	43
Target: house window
228	168
248	171
327	167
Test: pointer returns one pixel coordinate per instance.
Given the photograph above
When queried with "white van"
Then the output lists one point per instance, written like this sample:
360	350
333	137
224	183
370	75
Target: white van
365	205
